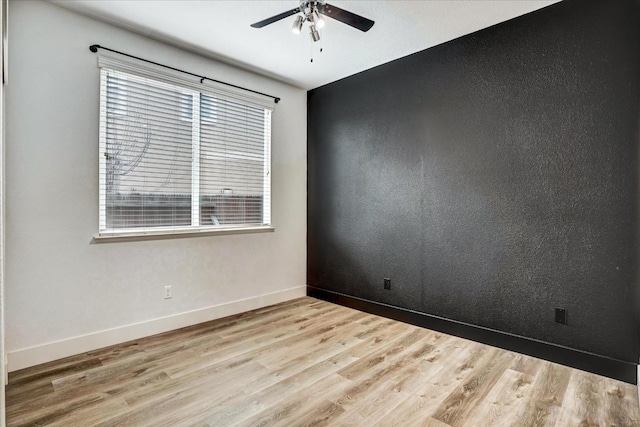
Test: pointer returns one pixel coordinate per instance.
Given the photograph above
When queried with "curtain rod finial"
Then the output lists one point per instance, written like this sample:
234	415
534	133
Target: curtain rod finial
94	48
276	100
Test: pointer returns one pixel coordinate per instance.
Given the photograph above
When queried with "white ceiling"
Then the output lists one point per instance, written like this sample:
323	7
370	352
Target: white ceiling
220	29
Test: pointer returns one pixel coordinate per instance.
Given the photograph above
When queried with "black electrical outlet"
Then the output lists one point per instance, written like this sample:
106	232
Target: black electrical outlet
387	284
561	316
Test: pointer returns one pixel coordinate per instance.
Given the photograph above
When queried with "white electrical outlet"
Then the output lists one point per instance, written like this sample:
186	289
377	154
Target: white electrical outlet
167	292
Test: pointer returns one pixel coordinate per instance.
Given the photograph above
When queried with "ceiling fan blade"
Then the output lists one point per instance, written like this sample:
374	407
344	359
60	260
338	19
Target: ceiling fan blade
273	19
349	18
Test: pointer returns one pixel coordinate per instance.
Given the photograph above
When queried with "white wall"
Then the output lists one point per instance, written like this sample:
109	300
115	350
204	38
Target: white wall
3	372
62	287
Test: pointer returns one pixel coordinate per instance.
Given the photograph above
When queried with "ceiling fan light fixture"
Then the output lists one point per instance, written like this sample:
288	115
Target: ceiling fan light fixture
297	25
318	19
313	32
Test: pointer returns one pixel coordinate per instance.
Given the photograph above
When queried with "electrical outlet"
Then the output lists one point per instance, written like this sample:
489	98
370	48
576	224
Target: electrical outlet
167	292
387	284
561	316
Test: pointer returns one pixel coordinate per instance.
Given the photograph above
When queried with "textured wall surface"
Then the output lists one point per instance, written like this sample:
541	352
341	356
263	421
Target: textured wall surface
492	178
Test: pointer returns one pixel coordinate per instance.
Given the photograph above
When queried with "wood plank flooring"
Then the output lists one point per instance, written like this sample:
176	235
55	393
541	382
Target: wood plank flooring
307	362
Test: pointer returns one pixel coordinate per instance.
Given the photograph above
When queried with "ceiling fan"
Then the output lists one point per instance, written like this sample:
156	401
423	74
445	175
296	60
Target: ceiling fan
313	11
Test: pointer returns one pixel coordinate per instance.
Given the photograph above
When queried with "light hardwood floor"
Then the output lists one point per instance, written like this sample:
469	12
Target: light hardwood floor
308	362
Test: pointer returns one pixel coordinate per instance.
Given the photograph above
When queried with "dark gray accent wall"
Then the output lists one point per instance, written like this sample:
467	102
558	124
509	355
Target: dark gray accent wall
491	178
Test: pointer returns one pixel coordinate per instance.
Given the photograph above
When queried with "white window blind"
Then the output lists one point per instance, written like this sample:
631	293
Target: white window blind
173	158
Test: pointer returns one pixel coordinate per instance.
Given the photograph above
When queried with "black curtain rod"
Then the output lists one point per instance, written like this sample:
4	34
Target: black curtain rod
94	48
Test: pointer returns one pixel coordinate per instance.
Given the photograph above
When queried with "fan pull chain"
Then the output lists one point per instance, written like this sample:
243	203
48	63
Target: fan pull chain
321	48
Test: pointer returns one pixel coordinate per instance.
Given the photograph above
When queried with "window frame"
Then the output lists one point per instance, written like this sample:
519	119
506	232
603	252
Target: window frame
215	91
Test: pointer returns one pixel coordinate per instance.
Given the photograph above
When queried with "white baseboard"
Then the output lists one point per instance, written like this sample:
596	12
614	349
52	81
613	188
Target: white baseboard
36	355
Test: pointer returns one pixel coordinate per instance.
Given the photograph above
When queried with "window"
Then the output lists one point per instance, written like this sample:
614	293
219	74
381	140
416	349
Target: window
174	158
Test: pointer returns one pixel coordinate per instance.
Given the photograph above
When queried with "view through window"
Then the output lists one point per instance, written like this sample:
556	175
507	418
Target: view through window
175	158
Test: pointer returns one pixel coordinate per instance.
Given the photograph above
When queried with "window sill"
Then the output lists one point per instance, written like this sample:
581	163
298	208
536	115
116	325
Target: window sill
177	234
